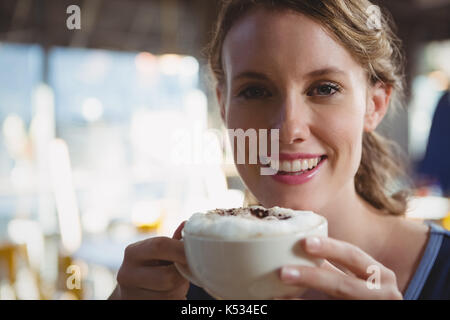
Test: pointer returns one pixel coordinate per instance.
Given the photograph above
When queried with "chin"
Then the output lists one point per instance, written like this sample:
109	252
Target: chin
270	194
295	202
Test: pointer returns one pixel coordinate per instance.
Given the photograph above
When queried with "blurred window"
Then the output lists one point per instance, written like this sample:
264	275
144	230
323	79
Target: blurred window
21	71
118	112
93	85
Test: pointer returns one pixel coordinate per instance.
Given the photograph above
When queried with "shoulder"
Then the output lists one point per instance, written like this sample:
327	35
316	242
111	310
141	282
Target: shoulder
440	232
437	285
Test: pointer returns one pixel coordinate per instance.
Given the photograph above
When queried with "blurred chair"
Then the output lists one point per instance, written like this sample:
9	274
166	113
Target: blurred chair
26	248
8	260
11	256
435	166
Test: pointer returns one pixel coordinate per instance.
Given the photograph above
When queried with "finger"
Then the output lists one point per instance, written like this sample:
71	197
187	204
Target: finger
342	253
287	298
330	282
342	268
177	233
328	266
157	248
143	294
312	294
158	278
180	292
138	294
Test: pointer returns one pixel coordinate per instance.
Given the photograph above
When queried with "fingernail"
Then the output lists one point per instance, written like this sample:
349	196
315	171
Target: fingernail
313	244
288	273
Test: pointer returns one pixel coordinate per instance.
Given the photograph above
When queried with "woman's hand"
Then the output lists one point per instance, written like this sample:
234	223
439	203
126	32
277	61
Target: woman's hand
148	272
349	283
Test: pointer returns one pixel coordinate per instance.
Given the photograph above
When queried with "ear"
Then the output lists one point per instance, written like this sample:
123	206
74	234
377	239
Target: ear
221	99
379	96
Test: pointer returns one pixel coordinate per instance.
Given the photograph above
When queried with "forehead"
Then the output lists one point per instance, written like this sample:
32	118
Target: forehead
282	41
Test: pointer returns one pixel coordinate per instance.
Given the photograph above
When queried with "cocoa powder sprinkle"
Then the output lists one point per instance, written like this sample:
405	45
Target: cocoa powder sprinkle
257	212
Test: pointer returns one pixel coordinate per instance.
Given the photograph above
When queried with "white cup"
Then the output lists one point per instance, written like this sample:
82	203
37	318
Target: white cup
246	269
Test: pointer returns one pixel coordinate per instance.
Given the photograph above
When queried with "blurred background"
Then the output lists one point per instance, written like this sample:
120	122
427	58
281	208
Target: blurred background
110	134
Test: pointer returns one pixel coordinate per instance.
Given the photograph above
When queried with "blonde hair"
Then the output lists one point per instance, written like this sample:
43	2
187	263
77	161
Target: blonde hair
374	45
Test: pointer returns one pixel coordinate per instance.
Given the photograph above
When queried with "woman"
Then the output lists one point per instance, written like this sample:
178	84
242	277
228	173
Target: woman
324	75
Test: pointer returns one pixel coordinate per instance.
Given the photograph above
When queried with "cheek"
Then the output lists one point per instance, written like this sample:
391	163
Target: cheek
344	135
244	117
239	117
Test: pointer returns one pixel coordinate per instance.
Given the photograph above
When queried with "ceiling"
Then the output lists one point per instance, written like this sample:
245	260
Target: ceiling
177	26
135	25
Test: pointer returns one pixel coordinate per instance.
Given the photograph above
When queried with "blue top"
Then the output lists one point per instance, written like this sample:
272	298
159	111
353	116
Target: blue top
430	281
432	277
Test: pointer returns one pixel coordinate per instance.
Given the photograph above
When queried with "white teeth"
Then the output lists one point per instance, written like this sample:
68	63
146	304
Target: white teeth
305	165
294	165
285	166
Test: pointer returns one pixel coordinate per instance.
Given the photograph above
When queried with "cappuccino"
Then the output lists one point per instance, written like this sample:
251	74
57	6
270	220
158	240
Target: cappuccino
250	222
237	253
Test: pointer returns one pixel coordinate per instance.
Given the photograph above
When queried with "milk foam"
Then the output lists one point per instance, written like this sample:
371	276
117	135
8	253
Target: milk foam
240	223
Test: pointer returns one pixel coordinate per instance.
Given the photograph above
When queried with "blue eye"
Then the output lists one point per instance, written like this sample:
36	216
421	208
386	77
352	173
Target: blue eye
254	93
324	90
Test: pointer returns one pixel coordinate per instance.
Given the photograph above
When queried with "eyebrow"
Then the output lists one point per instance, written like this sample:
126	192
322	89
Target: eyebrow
324	71
250	75
311	74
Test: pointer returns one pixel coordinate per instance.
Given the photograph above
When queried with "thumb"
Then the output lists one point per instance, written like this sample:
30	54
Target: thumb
177	233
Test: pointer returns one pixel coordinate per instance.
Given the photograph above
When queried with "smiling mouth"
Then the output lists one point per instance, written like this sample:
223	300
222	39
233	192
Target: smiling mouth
296	166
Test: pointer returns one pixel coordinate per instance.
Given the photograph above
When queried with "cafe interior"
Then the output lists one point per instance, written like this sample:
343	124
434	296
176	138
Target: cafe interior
110	133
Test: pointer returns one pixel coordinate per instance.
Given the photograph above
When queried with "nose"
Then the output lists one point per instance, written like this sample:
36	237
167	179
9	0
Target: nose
293	120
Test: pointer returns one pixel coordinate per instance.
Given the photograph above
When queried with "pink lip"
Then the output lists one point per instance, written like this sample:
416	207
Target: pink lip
294	156
301	178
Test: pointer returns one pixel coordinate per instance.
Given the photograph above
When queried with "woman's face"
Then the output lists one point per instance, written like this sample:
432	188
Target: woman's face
283	71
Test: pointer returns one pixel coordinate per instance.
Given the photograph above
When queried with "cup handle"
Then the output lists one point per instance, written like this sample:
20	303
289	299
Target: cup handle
185	272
